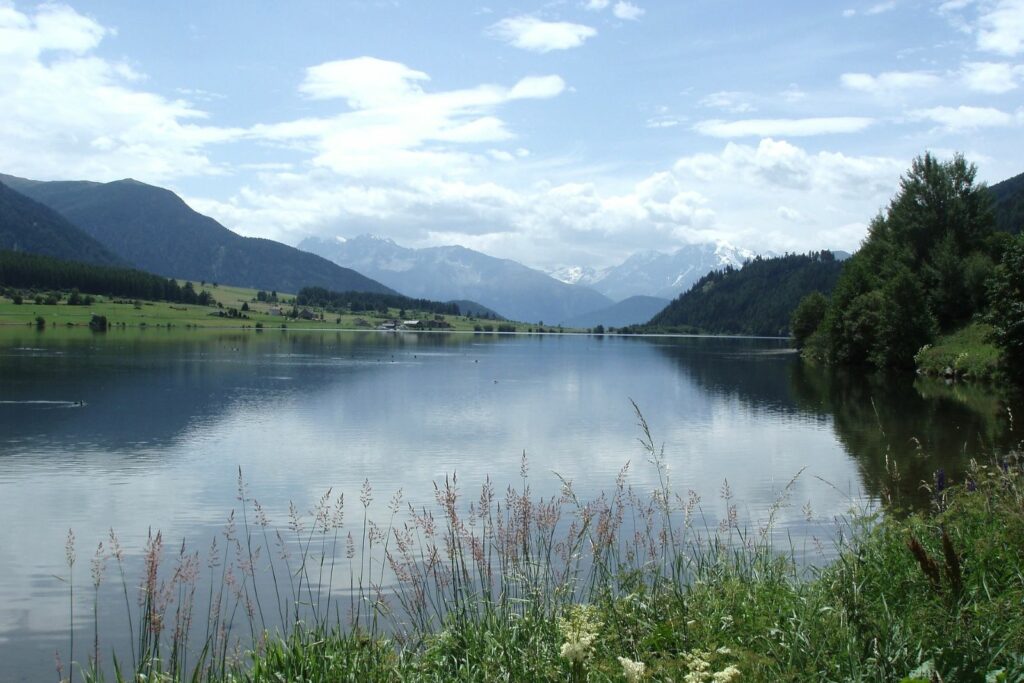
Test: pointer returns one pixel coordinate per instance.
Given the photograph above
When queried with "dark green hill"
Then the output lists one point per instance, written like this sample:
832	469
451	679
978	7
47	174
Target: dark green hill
1008	201
472	308
755	299
153	229
33	228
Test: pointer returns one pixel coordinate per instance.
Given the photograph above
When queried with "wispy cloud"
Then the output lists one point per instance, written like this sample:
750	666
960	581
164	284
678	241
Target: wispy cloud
965	118
533	34
877	8
890	82
394	128
783	127
730	101
665	121
881	8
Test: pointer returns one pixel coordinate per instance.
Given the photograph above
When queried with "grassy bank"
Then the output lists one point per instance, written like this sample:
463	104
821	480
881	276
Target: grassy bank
257	314
627	587
966	353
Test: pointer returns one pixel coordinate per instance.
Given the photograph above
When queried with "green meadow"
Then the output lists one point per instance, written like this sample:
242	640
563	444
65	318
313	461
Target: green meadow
259	314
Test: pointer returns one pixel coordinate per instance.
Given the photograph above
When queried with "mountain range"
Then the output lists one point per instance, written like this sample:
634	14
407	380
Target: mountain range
151	228
453	272
657	274
632	311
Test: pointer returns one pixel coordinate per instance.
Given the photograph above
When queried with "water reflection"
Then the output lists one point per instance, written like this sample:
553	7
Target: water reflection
900	430
167	418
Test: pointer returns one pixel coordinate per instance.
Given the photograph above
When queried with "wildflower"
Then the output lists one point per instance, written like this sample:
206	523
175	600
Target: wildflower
698	664
727	675
580	628
633	671
577	650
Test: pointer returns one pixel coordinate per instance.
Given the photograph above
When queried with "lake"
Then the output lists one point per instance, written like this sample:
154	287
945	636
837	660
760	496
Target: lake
139	430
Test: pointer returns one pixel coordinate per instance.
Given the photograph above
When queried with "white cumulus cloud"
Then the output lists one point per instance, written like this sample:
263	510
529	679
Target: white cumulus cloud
627	11
991	77
1001	27
769	195
65	110
537	35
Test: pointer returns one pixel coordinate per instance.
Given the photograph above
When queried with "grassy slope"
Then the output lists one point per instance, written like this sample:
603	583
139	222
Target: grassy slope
967	352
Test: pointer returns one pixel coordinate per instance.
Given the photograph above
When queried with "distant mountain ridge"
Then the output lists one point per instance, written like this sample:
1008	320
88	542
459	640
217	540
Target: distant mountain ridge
151	228
655	273
34	228
453	273
631	311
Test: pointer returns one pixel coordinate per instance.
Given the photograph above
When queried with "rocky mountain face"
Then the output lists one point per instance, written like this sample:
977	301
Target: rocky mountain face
657	274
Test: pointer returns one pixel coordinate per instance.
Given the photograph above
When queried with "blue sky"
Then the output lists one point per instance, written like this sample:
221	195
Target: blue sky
558	133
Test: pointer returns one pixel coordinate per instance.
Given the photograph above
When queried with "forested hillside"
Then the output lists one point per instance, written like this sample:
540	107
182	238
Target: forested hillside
35	272
28	226
755	299
370	301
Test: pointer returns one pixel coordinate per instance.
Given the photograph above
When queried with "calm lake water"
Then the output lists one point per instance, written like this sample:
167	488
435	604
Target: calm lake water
141	430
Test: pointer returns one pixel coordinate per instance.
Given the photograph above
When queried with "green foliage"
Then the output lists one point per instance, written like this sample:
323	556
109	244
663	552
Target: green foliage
1008	200
968	352
30	271
921	269
758	298
904	322
1007	308
807	318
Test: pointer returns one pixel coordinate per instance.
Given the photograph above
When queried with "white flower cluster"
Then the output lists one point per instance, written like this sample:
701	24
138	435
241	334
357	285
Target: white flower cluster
579	628
700	670
633	671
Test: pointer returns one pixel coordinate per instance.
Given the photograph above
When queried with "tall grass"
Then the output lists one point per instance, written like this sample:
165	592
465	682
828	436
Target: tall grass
512	586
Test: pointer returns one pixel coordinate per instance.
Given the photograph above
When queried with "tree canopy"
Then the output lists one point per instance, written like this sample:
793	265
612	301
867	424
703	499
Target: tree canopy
32	271
922	268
